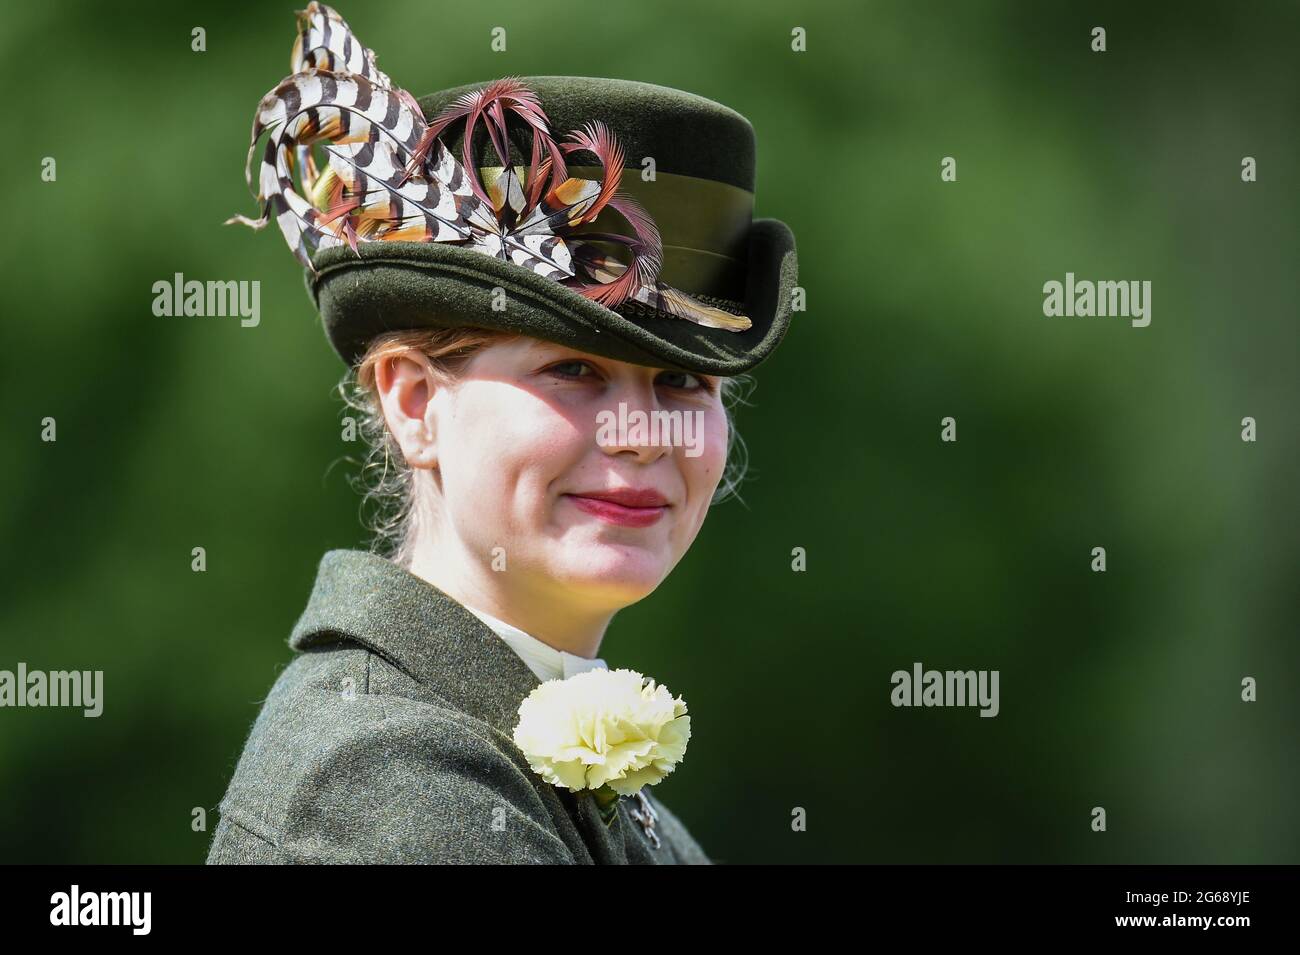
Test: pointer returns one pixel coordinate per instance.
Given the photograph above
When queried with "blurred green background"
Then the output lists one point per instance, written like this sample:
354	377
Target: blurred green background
1119	689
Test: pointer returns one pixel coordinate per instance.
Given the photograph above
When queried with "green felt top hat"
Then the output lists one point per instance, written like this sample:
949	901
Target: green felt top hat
403	229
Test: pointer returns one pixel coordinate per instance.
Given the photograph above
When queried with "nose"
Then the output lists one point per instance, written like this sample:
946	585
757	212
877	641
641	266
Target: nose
630	425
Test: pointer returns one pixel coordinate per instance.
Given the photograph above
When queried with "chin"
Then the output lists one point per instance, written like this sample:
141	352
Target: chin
621	573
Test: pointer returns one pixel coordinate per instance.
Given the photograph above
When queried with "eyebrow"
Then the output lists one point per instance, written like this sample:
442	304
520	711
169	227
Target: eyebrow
539	344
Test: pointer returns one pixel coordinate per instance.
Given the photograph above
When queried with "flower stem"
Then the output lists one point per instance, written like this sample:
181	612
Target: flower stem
607	802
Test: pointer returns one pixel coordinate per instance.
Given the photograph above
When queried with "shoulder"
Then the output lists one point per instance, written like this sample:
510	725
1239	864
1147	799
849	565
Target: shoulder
349	760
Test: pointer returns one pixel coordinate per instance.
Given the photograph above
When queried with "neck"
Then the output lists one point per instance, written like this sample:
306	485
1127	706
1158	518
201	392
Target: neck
541	612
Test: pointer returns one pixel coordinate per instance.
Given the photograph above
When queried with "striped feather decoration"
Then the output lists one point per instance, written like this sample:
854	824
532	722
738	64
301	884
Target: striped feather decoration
386	175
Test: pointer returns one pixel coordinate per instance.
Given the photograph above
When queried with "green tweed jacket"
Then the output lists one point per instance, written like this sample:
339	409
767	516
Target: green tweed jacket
388	738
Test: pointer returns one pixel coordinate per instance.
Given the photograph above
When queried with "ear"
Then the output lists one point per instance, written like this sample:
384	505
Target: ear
406	386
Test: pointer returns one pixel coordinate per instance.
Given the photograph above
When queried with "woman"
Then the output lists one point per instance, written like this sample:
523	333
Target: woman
498	347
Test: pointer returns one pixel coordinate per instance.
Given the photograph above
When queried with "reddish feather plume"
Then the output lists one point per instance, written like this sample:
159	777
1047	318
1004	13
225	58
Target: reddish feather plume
491	103
646	250
596	138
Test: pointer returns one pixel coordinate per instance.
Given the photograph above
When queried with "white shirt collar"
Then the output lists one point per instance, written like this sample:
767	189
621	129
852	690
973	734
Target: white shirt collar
542	658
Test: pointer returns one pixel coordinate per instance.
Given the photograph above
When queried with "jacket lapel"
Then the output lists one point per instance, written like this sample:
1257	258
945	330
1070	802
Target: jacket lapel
432	638
420	630
607	843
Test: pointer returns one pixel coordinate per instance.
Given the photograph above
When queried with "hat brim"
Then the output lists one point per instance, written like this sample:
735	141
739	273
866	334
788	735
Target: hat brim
391	286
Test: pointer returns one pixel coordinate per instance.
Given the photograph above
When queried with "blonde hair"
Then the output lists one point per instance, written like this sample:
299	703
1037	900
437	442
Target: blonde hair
387	484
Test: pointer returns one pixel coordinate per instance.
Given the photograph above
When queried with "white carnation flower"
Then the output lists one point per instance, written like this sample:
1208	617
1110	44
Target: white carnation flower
602	727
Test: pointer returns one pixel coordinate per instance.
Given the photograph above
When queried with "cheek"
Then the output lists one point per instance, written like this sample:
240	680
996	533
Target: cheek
704	472
506	449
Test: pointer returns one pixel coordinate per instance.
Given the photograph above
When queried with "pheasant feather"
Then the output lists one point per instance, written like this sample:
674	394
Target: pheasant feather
386	175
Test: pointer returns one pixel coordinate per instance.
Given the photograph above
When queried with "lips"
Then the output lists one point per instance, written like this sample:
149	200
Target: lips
627	507
627	496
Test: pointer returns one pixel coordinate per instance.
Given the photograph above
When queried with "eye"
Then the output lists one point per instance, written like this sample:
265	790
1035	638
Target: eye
682	380
571	369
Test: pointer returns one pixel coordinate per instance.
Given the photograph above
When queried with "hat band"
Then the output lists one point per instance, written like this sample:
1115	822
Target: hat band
704	225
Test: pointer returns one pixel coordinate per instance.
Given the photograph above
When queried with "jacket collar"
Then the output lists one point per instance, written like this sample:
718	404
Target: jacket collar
420	630
433	638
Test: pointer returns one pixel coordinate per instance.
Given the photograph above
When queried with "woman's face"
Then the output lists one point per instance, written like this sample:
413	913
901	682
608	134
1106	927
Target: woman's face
528	442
